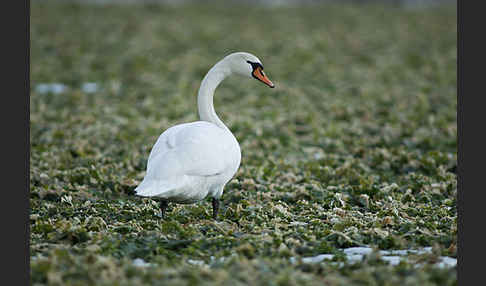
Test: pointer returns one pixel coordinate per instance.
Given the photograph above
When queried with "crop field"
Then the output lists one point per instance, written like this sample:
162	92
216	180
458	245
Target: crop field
355	147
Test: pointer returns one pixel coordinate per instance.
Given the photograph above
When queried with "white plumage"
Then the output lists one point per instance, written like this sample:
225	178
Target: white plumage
189	161
193	160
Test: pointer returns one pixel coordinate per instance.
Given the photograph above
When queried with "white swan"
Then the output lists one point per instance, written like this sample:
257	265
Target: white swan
193	160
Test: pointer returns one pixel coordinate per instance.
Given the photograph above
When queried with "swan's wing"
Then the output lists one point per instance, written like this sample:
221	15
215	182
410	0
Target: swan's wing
165	142
195	149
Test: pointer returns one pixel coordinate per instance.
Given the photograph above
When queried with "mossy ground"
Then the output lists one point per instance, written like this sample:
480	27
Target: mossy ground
354	147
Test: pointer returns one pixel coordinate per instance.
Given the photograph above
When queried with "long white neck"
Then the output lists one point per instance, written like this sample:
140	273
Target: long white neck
206	91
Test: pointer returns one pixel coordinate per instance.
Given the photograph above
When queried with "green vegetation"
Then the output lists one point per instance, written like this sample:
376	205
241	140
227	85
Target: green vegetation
354	146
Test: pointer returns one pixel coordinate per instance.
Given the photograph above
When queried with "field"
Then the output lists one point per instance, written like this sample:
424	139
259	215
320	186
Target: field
356	145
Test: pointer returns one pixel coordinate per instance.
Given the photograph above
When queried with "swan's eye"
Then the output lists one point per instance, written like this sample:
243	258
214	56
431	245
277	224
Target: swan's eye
254	66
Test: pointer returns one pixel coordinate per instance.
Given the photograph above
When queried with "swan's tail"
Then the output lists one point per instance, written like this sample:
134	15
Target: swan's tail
152	188
148	188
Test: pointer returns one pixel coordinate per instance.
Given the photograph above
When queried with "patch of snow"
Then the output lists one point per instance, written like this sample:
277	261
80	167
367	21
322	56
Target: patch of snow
447	262
139	262
298	223
58	88
89	87
317	258
423	250
393	257
54	88
196	262
358	250
394	252
403	252
353	258
393	260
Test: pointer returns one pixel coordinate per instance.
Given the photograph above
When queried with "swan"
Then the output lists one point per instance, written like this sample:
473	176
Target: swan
191	161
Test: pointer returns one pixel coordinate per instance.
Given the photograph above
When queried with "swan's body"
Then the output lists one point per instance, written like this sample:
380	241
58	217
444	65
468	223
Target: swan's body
190	161
193	160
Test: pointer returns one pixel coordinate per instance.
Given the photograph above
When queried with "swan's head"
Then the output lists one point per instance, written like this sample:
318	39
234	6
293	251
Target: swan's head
248	65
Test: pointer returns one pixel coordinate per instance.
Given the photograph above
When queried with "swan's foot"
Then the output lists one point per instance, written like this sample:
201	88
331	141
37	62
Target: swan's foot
215	208
163	207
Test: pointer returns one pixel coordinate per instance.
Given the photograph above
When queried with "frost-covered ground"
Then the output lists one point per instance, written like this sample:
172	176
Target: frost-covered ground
355	147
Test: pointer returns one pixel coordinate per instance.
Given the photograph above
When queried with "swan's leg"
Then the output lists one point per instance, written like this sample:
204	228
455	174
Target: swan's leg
215	208
163	207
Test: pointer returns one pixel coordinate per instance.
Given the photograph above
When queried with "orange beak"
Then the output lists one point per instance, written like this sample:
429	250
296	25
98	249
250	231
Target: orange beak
258	74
